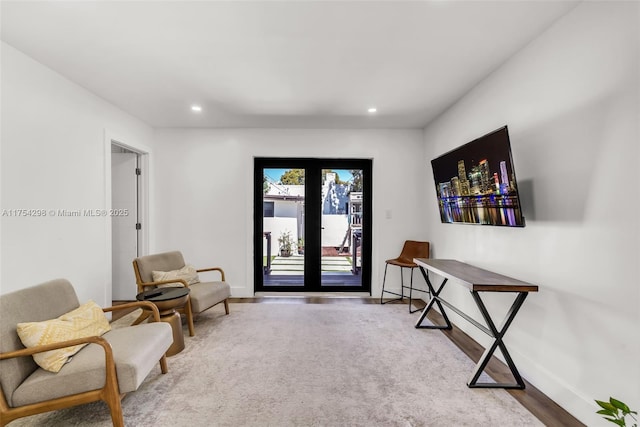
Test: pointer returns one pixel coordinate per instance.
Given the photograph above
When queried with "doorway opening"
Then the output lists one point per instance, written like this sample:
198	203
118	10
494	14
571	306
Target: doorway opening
312	225
126	223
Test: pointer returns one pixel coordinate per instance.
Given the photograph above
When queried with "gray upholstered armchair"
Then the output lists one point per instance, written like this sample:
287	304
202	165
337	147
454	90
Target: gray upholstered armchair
202	296
111	365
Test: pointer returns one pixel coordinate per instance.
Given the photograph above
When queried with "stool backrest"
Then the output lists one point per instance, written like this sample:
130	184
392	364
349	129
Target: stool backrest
414	249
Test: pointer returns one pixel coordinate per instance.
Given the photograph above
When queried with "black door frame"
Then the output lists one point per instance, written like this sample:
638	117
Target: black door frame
313	221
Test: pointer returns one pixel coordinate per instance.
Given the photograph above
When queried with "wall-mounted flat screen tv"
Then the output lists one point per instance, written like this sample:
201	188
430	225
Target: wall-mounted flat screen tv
476	183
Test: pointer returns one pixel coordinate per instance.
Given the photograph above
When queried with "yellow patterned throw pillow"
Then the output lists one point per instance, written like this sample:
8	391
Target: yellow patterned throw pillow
188	273
85	321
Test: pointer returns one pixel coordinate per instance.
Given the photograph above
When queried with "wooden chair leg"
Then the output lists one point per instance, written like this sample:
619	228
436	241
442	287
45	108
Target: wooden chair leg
189	314
116	412
226	306
111	393
163	364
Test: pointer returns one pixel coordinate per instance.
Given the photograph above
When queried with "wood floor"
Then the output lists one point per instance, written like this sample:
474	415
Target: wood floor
536	402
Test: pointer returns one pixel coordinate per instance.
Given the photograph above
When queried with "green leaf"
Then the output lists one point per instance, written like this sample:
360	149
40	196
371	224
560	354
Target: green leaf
606	412
606	405
619	422
619	405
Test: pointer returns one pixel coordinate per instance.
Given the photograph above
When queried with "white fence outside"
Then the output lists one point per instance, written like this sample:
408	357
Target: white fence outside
335	228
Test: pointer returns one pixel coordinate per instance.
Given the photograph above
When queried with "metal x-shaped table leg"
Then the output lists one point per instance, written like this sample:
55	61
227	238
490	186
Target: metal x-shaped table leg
497	343
434	299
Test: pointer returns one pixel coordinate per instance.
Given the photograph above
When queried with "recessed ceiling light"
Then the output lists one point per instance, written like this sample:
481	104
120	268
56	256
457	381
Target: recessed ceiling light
196	108
372	110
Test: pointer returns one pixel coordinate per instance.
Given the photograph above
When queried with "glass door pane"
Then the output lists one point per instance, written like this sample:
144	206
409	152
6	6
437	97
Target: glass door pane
283	226
341	219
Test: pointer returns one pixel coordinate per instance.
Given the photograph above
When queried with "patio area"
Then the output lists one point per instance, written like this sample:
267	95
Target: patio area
289	271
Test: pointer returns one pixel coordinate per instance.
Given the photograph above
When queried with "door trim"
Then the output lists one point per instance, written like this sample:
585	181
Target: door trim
145	197
313	221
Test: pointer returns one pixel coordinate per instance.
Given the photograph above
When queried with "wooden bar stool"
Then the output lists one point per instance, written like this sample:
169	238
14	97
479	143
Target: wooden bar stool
411	249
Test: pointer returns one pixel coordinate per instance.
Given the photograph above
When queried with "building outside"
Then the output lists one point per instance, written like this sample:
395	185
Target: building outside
283	212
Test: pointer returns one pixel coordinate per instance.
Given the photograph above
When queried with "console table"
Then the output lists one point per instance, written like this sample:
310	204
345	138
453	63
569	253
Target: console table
476	280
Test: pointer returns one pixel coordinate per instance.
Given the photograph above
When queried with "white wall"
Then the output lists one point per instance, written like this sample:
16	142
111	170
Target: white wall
206	210
334	229
278	226
570	100
285	209
53	157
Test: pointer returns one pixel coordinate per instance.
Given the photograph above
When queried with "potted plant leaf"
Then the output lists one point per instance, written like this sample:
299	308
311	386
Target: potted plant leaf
616	412
286	244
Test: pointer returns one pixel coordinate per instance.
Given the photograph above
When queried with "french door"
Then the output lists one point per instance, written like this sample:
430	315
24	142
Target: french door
312	224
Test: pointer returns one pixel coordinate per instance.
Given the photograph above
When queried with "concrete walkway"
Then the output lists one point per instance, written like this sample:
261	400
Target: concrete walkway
294	265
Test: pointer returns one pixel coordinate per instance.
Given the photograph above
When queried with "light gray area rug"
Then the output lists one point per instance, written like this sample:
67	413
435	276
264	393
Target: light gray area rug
281	364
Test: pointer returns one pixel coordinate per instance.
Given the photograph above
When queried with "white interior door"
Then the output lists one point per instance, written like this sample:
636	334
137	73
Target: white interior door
124	203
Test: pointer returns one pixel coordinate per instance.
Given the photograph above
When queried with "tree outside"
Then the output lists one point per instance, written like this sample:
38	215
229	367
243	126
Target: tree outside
296	177
293	177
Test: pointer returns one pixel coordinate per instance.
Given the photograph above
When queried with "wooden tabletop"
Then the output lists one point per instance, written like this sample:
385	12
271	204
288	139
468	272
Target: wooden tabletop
163	294
476	279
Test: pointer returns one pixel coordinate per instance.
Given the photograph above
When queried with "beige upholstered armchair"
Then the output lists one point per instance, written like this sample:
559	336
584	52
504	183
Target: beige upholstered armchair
106	368
170	269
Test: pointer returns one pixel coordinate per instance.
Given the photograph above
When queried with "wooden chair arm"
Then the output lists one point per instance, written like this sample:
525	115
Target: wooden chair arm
213	269
165	282
110	392
137	304
62	344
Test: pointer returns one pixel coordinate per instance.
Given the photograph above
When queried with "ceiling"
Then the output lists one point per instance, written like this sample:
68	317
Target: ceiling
292	64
